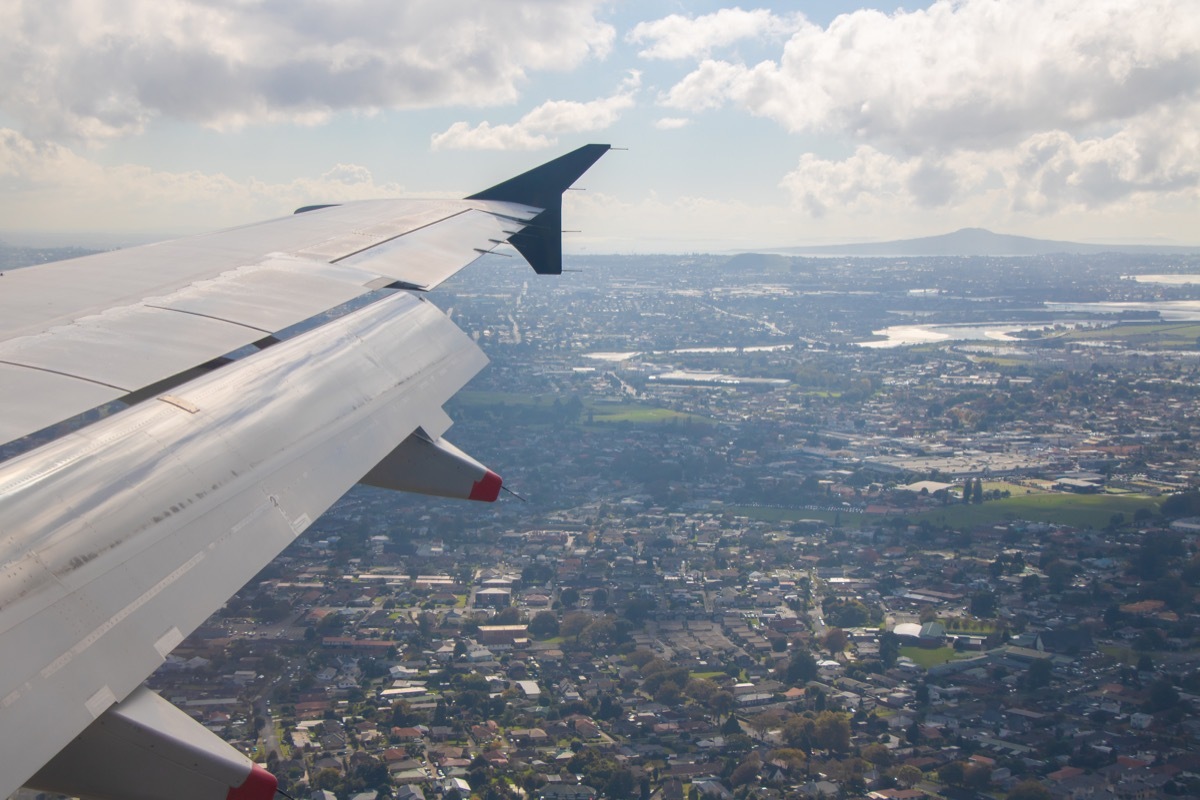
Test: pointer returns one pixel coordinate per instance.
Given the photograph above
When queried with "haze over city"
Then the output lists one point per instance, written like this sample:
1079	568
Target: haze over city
748	127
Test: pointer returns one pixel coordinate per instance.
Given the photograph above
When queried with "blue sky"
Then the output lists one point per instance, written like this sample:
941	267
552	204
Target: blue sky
747	126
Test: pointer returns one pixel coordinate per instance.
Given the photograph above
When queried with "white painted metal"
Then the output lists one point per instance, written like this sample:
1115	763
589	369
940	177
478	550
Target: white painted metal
121	537
119	322
129	347
144	749
33	399
426	257
426	465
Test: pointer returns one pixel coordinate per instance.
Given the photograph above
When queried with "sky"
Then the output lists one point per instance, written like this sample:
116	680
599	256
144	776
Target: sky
755	126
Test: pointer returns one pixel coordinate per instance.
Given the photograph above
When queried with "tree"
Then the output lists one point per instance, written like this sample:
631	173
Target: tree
907	775
620	785
889	649
953	773
328	778
793	758
746	772
983	604
507	616
1162	696
1030	790
798	732
835	641
544	625
598	631
1057	575
977	492
573	623
802	668
977	777
877	754
1038	674
639	609
831	731
668	693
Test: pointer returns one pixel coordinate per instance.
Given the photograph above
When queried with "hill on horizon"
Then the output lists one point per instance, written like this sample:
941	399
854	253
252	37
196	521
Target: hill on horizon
979	242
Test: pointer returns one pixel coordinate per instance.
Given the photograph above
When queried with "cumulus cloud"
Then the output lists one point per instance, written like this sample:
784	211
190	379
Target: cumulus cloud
679	37
90	69
49	186
1010	109
671	123
965	72
540	127
1153	161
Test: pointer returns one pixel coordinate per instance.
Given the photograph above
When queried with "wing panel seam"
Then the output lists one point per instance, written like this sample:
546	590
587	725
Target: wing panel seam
400	235
206	316
65	375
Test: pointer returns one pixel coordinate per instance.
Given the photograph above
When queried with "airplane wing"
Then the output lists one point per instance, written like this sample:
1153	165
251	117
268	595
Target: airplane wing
121	537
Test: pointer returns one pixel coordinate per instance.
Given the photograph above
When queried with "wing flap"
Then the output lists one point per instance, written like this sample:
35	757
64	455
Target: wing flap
429	465
426	257
129	348
270	296
33	399
143	749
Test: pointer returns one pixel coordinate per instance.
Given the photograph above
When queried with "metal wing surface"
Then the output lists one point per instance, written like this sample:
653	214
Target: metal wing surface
120	538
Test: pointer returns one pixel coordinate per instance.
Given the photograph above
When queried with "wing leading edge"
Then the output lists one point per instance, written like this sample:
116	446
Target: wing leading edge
77	334
119	539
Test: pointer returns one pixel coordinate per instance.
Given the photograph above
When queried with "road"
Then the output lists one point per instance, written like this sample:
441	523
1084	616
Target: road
815	614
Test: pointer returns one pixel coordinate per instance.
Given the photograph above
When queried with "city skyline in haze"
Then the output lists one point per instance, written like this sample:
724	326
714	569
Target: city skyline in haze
765	125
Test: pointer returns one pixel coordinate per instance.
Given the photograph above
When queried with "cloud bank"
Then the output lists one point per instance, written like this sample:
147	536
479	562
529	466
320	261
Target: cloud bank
48	187
1038	105
541	126
97	69
679	37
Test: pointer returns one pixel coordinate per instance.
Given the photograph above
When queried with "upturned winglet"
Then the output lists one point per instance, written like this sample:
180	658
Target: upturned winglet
542	187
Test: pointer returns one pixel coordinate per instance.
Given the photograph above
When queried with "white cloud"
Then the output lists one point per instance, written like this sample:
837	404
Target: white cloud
538	128
1010	109
50	187
679	37
1151	165
965	72
671	123
90	69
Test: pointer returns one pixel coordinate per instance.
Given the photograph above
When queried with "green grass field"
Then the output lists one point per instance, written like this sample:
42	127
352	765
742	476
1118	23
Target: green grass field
1168	335
929	658
1065	509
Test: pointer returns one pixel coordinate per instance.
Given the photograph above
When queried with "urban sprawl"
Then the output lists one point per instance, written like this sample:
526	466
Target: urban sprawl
792	528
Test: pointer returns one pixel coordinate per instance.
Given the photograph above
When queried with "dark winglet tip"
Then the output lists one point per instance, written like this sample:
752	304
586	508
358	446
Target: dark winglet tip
542	187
